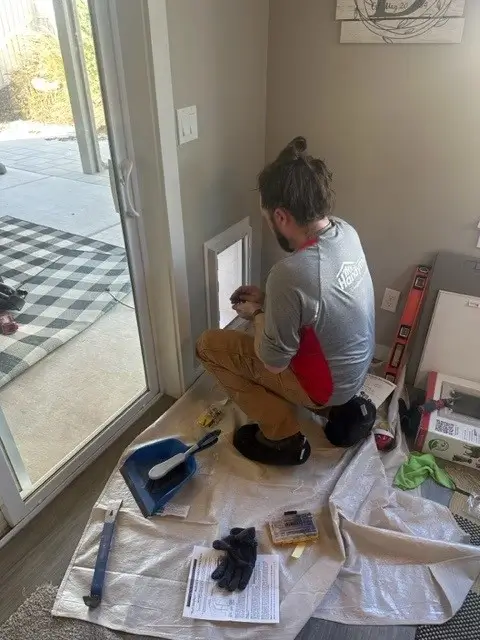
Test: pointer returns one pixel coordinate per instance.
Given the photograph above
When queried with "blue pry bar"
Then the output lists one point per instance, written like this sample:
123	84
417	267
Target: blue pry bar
93	600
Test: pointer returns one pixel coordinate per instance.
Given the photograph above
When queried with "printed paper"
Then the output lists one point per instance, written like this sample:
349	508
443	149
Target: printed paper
376	389
259	603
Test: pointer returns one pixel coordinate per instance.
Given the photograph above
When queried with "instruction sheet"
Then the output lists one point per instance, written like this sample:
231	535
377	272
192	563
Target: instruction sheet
259	603
376	389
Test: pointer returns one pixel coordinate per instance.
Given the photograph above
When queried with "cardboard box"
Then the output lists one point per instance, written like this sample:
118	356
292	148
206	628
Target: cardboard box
452	433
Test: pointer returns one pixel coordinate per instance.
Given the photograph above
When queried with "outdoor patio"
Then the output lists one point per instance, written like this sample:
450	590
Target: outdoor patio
61	400
45	184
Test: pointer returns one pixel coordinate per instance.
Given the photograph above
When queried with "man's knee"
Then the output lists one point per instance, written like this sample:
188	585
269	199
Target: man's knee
208	341
225	346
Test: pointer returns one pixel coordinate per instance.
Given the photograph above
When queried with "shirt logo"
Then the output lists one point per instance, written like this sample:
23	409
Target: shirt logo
351	274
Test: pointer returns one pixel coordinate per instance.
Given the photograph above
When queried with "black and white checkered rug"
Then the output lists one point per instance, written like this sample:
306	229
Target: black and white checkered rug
70	282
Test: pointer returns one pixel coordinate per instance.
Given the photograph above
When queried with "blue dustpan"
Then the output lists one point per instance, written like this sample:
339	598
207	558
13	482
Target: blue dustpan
150	496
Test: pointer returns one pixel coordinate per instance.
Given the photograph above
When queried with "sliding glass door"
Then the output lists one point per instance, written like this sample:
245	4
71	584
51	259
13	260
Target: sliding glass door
77	361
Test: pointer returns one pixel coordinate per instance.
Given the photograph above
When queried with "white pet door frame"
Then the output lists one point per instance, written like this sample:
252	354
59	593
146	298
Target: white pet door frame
240	232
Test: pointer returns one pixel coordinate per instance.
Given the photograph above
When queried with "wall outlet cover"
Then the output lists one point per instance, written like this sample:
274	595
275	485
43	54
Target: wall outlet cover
390	300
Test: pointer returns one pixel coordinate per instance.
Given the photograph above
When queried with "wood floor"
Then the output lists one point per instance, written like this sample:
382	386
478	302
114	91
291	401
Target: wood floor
41	552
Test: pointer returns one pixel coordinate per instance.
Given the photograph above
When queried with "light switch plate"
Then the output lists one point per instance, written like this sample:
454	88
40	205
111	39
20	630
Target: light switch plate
187	124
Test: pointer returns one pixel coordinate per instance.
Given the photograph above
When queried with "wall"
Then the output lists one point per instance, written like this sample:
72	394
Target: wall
399	126
218	51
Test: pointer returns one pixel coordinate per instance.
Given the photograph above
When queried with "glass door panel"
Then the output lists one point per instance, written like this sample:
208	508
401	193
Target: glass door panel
73	356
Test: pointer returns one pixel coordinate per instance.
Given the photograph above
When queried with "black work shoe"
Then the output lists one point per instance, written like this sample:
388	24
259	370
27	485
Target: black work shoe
245	442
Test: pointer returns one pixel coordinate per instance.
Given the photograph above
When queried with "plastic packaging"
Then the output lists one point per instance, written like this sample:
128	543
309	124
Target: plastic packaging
293	527
210	417
473	505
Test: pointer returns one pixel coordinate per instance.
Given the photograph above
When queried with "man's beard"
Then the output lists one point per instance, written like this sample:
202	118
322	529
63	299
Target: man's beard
282	241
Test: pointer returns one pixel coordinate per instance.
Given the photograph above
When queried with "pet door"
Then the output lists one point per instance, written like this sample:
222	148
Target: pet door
227	267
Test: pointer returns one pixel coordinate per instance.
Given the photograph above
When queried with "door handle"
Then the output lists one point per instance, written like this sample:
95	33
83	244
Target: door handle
113	185
126	168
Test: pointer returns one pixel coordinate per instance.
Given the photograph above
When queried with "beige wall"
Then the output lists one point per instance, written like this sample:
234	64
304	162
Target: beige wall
218	54
398	125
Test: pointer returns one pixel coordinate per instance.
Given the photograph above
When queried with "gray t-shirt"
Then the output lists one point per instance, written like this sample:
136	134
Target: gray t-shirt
320	315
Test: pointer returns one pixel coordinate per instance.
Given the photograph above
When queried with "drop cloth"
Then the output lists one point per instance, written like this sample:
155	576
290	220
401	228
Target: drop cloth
383	557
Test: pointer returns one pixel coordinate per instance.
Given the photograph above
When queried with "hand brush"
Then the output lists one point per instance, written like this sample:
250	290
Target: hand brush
159	471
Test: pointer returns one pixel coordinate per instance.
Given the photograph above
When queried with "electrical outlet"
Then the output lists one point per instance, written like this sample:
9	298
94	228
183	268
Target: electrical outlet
390	300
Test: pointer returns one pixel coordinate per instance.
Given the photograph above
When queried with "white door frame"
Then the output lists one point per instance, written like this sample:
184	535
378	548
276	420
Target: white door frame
142	34
181	353
122	171
9	448
150	144
11	504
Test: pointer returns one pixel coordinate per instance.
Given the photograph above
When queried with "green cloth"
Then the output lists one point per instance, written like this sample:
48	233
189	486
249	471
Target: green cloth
417	469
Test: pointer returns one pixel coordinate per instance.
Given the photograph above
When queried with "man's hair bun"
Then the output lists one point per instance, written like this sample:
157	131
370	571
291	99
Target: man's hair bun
294	150
298	144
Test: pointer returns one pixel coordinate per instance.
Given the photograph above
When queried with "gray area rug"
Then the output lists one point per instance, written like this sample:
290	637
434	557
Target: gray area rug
32	621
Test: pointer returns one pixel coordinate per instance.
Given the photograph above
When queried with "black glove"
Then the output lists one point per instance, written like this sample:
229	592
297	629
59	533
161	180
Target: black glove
236	567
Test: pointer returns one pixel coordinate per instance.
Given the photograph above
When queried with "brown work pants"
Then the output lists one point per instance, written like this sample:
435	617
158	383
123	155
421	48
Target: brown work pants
266	398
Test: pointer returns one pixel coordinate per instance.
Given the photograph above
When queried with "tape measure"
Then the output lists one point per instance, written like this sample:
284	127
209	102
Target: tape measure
407	322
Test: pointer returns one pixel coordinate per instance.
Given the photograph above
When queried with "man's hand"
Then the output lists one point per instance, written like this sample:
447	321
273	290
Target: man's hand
248	293
246	309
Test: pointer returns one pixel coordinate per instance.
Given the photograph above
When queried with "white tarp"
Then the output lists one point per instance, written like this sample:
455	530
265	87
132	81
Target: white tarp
383	557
